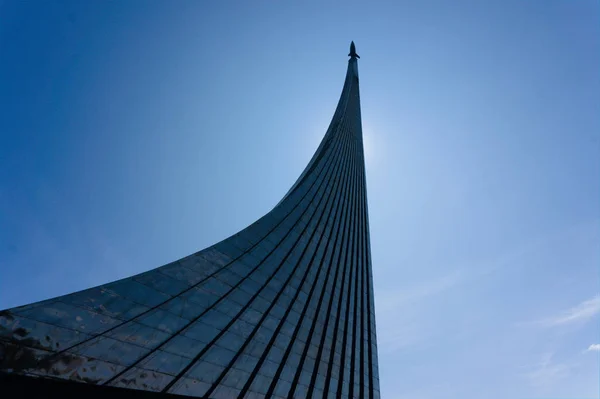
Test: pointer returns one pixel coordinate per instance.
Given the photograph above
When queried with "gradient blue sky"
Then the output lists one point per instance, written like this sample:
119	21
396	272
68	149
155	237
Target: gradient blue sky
134	133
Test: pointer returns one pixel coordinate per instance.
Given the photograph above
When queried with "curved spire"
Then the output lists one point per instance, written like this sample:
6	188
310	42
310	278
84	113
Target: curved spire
344	107
282	308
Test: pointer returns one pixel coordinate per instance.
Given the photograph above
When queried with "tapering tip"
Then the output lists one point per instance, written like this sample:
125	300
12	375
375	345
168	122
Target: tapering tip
352	53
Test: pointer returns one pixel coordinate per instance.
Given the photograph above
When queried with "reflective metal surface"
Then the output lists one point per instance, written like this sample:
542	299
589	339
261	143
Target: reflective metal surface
284	308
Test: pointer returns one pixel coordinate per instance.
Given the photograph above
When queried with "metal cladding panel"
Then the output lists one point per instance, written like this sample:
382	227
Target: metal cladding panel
284	308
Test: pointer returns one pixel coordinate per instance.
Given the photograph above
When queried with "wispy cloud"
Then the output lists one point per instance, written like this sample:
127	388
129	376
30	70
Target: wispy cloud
390	301
404	314
400	312
545	374
580	313
594	348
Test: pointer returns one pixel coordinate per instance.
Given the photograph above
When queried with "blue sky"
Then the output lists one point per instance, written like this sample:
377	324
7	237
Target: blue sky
134	133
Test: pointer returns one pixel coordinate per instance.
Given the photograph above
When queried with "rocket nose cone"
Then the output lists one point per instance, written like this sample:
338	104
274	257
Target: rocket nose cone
353	50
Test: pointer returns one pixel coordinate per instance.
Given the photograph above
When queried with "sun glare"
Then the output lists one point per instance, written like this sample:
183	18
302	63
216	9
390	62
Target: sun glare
370	147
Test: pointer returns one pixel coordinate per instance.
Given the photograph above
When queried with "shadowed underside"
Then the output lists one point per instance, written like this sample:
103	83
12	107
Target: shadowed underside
284	308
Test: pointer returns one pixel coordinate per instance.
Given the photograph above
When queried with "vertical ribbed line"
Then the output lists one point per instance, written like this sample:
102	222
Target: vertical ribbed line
300	368
352	278
355	265
351	199
369	296
360	357
319	304
359	336
346	277
369	285
356	298
365	282
308	269
359	322
342	212
205	349
340	308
